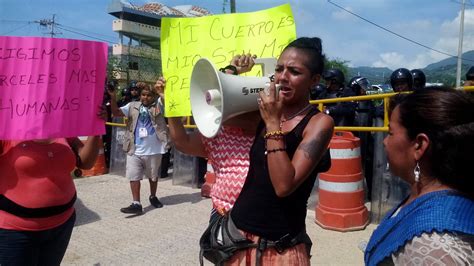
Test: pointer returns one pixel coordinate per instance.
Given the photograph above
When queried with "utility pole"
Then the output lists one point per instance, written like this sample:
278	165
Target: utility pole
461	35
49	23
232	6
53	23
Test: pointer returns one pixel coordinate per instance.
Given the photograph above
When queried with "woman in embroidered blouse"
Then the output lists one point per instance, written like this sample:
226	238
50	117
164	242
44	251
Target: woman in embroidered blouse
290	148
429	145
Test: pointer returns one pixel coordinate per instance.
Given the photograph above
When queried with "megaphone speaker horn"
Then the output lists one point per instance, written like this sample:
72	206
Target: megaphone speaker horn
217	97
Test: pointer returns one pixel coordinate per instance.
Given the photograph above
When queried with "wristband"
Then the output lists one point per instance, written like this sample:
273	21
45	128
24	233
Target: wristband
273	134
274	150
229	67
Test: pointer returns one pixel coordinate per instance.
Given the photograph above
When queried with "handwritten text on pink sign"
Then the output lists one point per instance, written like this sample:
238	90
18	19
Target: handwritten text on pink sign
50	87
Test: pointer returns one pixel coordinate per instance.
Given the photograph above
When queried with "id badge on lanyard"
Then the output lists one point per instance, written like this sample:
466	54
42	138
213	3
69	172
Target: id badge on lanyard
142	132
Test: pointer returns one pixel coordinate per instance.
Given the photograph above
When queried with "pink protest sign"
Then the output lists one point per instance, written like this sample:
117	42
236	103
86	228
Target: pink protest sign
50	87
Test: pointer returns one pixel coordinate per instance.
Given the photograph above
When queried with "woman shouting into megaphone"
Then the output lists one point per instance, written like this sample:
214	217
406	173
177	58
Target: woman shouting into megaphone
289	150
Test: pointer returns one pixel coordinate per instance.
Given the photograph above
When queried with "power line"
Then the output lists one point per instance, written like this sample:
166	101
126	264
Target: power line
48	23
52	24
459	2
396	34
21	27
14	21
77	29
85	35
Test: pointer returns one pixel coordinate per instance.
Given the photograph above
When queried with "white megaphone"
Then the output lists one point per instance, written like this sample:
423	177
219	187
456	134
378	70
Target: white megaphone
216	97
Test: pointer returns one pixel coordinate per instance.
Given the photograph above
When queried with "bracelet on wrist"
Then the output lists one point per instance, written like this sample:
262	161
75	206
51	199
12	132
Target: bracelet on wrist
231	68
274	137
274	134
274	150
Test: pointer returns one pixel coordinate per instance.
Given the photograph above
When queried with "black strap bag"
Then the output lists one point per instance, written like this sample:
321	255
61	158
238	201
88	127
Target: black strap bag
221	240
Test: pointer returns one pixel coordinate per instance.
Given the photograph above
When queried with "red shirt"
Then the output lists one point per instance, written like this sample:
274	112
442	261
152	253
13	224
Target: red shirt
36	175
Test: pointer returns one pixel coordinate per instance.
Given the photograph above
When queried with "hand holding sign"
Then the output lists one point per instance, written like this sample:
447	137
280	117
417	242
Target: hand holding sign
160	87
244	63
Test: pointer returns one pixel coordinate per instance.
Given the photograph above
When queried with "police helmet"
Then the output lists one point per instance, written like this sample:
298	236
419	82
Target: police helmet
126	92
419	79
470	74
359	85
111	85
316	91
401	75
133	86
334	75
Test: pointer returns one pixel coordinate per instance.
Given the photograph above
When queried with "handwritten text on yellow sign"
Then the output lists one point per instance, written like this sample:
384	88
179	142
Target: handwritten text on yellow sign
218	38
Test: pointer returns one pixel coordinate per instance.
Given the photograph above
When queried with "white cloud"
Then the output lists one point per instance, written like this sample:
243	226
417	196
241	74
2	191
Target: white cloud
420	61
305	15
394	60
450	33
447	42
391	60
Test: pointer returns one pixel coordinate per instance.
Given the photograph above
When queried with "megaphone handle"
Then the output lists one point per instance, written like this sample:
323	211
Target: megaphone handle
267	64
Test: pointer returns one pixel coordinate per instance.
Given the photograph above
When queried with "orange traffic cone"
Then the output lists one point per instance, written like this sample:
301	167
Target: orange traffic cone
341	189
99	167
210	178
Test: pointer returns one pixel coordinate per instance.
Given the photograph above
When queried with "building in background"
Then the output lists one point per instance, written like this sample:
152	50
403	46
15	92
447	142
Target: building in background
137	57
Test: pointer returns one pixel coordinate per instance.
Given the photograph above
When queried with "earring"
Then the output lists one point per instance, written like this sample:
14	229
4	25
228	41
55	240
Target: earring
417	172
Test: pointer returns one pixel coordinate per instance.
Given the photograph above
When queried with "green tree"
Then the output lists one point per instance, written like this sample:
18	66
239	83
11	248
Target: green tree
114	66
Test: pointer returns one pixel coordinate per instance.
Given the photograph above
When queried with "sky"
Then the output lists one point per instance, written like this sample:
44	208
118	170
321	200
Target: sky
431	23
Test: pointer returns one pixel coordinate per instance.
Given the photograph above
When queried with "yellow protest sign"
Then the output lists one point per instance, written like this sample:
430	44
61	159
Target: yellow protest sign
219	38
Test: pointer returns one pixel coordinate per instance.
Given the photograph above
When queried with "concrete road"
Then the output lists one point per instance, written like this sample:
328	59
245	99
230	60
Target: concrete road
168	236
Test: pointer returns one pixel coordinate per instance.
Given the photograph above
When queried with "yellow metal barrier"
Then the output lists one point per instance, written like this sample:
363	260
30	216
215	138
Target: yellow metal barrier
320	103
383	96
116	124
123	124
469	88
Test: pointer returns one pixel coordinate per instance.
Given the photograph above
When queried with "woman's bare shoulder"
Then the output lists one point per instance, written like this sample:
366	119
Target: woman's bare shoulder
320	122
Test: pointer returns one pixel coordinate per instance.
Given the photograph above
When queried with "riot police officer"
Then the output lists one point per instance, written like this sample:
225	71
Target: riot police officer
419	79
364	109
134	91
469	77
364	117
316	91
401	80
343	113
